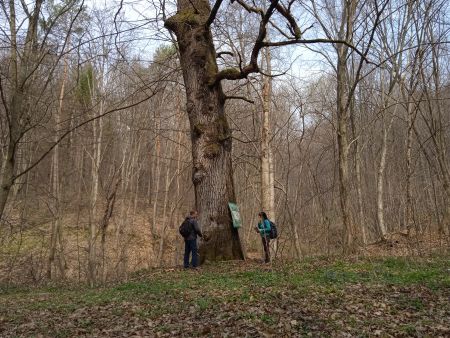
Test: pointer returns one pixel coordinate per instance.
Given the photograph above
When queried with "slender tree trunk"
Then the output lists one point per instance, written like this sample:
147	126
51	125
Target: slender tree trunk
8	165
56	231
267	170
137	176
380	177
179	139
179	192
96	159
409	141
124	213
343	147
345	33
210	133
110	201
164	221
79	163
267	189
357	160
156	180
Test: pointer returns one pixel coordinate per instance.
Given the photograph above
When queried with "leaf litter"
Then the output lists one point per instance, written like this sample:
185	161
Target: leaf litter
386	297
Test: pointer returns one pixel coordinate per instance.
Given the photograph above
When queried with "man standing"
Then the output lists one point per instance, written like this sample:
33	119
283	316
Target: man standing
190	240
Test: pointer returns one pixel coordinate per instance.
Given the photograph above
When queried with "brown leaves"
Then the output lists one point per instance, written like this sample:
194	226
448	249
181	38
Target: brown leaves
240	300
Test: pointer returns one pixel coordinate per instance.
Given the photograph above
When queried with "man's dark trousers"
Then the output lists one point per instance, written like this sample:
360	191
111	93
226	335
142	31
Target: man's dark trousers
190	246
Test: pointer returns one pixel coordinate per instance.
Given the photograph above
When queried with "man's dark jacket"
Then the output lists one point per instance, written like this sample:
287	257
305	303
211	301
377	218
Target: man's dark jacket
195	230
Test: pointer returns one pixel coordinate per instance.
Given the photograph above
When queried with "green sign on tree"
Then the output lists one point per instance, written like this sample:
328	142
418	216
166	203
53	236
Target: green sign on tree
237	222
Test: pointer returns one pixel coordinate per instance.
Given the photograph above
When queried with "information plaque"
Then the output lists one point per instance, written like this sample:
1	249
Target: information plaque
237	222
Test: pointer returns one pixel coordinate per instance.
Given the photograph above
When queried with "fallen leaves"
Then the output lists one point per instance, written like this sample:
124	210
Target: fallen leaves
242	300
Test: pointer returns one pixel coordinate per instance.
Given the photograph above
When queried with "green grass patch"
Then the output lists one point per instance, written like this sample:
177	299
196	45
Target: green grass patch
268	319
203	303
401	271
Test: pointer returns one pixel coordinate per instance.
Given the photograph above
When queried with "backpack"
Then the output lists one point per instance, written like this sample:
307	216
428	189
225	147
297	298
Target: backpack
273	231
185	228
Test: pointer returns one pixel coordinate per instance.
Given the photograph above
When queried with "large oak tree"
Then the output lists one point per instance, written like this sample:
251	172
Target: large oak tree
210	132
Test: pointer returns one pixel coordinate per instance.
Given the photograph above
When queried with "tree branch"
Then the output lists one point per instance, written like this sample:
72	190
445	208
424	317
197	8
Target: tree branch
213	14
252	67
250	9
295	30
279	30
311	41
25	8
233	97
219	55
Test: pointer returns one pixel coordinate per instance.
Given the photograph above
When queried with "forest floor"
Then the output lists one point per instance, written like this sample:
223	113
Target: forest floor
362	297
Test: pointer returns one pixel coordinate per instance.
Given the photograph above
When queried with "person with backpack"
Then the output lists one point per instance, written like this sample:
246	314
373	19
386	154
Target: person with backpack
190	229
264	229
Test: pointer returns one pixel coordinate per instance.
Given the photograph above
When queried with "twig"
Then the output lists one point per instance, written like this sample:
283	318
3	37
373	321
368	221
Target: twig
234	97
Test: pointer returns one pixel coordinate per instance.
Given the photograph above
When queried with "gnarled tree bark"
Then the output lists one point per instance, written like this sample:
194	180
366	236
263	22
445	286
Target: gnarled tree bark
210	134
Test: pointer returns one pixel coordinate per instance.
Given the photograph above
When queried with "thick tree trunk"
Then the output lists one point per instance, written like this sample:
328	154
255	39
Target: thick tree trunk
210	134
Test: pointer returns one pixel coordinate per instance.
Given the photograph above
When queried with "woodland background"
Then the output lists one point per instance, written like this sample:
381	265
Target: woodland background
101	143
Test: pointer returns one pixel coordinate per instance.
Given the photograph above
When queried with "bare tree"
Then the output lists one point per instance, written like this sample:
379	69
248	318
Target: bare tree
32	63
